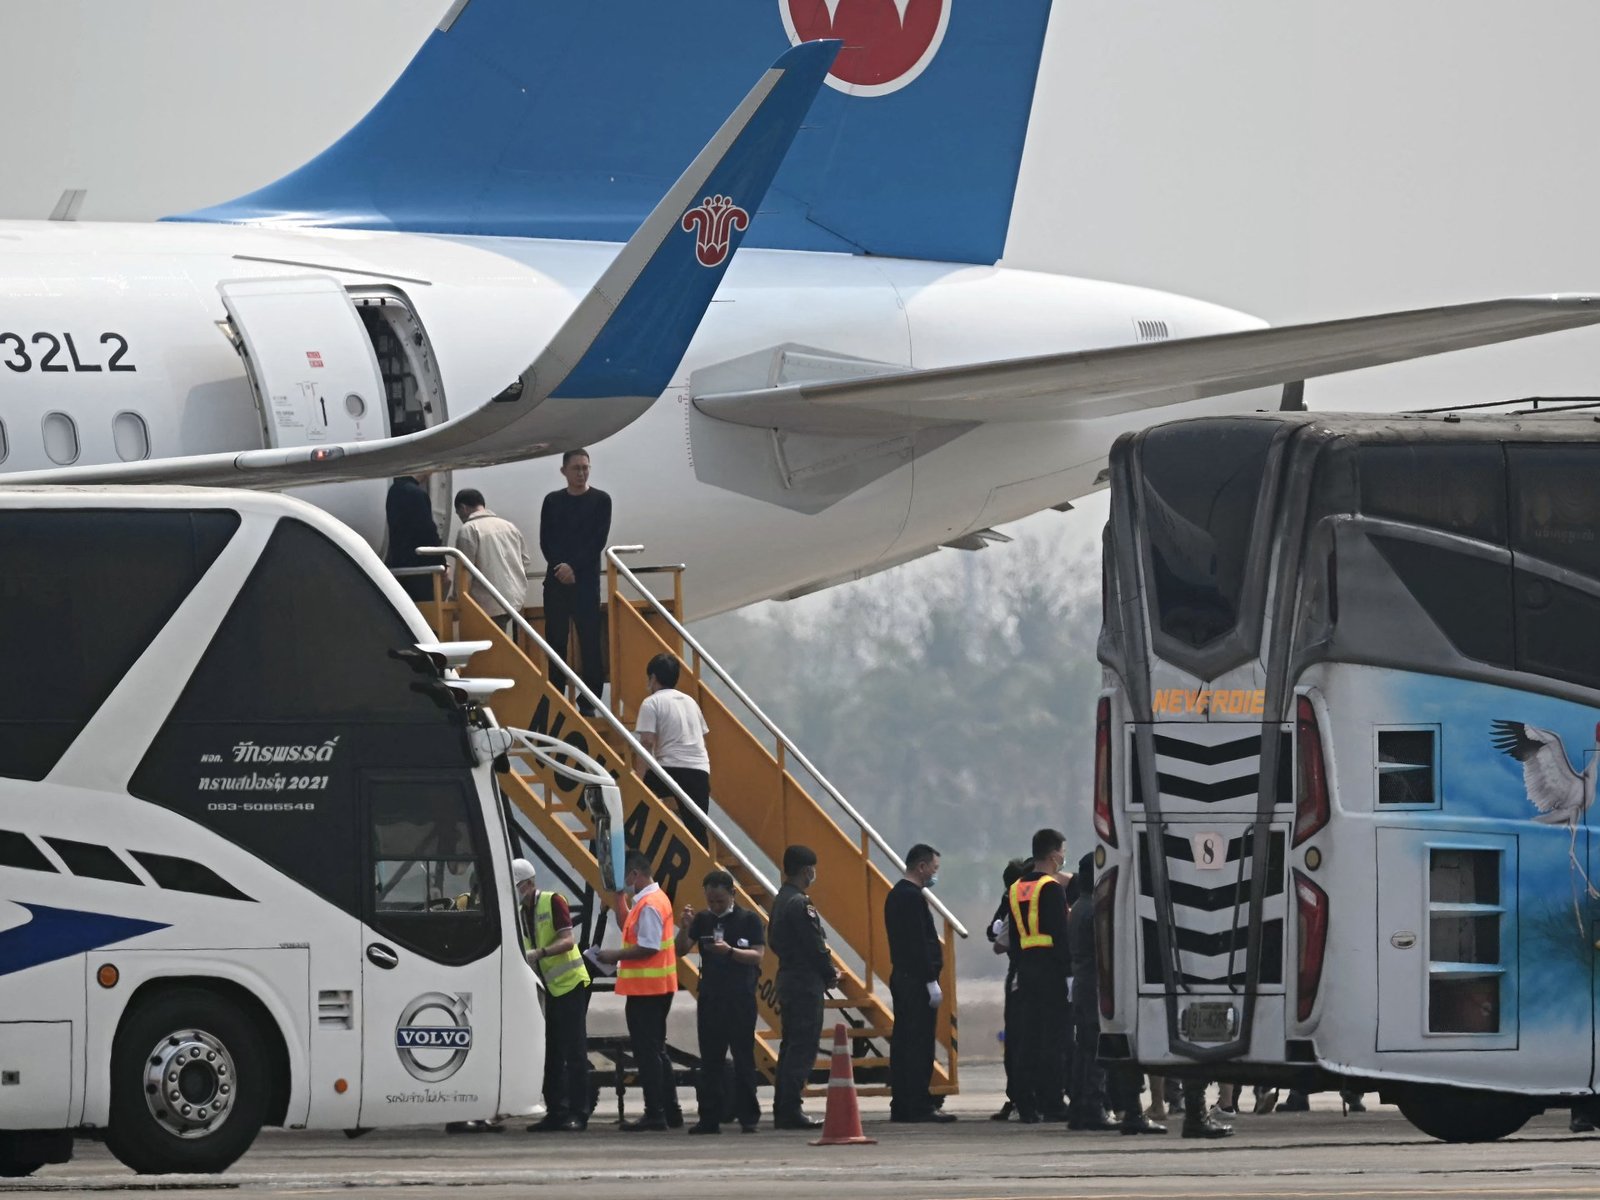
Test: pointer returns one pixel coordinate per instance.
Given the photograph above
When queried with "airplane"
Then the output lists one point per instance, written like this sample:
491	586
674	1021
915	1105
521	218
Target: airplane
794	359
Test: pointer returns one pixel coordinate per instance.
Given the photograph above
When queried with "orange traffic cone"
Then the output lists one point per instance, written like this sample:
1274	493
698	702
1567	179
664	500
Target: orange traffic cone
841	1125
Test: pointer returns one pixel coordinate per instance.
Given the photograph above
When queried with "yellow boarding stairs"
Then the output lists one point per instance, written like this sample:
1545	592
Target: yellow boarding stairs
759	805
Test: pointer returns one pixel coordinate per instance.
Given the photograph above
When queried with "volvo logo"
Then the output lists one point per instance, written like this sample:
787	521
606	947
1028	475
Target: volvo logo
434	1035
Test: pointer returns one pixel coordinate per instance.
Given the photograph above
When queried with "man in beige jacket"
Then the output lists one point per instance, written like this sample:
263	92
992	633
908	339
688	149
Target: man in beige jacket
496	547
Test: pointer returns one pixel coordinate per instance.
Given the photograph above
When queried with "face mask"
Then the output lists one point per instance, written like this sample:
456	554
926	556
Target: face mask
811	876
933	879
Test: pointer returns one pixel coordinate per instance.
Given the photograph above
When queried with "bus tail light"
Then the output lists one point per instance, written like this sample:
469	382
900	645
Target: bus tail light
1103	824
1105	931
1311	791
1312	902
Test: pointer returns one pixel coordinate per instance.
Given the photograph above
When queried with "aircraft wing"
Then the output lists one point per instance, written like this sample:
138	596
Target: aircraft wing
606	365
1100	383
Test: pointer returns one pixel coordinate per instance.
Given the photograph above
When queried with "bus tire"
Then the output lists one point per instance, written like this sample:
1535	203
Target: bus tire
176	1055
18	1168
1463	1115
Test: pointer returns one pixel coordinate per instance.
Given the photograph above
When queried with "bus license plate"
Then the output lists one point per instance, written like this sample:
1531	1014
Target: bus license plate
1206	1021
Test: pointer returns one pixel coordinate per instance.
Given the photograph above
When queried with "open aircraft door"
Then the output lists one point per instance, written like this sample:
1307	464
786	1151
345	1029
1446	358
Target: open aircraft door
315	378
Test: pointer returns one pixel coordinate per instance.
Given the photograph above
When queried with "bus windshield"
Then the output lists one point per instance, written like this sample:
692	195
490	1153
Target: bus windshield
1201	487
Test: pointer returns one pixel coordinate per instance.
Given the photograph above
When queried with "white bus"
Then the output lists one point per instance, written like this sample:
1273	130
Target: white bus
1346	758
254	866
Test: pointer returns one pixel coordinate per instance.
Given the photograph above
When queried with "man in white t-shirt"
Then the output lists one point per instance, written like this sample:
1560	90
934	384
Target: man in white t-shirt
672	727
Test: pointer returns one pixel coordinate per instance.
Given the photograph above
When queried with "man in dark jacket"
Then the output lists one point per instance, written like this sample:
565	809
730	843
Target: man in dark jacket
1093	1084
999	935
916	963
805	972
409	515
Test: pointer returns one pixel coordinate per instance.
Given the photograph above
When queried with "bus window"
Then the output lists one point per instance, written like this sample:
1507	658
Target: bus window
297	694
1408	766
1555	519
1467	596
1456	488
1555	504
85	592
1202	482
1464	968
429	869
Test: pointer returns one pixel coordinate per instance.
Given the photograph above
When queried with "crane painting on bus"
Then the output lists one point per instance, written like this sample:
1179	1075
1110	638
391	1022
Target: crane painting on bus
1561	794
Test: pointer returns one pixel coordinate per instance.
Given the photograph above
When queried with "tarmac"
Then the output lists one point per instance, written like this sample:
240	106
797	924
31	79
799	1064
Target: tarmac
1317	1154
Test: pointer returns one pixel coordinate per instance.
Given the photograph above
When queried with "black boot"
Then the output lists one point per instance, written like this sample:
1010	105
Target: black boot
1198	1121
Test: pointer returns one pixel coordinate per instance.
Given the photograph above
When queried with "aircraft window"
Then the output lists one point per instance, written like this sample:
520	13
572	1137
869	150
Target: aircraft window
296	698
428	867
131	436
90	590
5	446
1456	488
61	438
1201	484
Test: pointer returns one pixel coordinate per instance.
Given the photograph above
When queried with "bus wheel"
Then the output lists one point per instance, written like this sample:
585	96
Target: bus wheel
1461	1115
189	1084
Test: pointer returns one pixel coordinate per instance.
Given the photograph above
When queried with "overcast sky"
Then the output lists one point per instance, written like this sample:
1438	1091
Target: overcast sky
1297	160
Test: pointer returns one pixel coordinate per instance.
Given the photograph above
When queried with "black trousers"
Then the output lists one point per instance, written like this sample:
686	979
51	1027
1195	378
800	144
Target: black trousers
647	1029
800	1009
575	604
911	1048
566	1054
1089	1079
697	786
1009	1050
726	1021
1043	1018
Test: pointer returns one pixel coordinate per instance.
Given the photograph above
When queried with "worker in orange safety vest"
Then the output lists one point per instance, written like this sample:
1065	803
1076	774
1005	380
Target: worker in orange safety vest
647	976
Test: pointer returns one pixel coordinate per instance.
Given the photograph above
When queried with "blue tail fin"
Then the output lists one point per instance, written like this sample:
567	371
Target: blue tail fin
563	119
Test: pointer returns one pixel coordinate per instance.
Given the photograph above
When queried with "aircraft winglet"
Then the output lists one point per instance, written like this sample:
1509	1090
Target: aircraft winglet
612	358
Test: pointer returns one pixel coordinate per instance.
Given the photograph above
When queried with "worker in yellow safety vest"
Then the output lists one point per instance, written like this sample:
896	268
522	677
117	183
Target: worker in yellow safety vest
551	948
647	976
1038	914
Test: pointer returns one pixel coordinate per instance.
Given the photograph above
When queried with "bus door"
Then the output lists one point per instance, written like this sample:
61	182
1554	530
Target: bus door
431	959
1447	940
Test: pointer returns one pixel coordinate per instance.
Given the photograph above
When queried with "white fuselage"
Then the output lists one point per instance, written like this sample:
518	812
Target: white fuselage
729	501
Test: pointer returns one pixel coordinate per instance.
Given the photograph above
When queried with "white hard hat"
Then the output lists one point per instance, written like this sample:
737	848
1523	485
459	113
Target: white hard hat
521	870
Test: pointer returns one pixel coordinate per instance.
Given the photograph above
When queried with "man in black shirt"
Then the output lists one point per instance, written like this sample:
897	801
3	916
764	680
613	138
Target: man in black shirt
805	972
409	514
574	524
731	942
1039	940
916	962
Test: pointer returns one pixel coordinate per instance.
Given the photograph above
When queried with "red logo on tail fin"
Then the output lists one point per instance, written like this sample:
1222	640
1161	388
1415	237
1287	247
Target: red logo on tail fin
713	222
887	43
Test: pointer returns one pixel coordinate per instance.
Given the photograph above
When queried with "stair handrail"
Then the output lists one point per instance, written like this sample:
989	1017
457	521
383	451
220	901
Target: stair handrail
613	555
600	708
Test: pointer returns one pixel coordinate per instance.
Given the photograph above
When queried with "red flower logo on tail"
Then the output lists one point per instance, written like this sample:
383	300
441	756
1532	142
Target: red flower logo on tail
712	222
